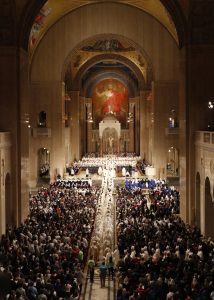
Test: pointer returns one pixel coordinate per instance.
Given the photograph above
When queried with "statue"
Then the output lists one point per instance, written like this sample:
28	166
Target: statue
111	139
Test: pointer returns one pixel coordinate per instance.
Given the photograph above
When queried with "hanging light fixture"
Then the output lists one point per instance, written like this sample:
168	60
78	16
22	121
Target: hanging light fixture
211	104
89	118
130	118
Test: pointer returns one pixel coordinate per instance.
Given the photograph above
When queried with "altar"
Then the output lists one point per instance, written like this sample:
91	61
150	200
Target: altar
109	134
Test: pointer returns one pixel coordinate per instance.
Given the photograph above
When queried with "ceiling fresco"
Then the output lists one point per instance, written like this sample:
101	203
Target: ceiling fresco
96	47
55	9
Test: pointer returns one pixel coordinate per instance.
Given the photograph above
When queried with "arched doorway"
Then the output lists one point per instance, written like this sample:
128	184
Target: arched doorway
209	210
198	200
43	165
9	207
172	162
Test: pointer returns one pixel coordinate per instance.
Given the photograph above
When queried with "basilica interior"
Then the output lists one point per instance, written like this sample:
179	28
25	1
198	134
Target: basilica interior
62	66
107	78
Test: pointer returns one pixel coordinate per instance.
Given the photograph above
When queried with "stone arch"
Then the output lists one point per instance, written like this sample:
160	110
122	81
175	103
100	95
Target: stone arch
28	17
177	15
33	8
118	74
198	200
111	56
209	210
69	40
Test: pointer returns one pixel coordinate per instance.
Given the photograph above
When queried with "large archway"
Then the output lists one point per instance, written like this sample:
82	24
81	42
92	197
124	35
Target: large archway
170	13
144	29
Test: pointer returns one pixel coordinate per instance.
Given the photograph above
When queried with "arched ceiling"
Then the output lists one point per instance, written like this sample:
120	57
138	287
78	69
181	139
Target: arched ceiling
53	10
103	52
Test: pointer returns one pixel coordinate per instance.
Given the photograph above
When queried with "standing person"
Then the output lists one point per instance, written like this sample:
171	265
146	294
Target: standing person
91	266
103	273
110	265
79	276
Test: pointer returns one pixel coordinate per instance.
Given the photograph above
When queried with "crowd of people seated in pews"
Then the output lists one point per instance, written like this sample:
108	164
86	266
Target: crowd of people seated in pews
161	256
77	183
45	256
160	194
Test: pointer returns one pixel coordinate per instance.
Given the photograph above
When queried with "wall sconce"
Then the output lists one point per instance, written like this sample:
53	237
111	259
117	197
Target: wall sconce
211	104
130	118
89	118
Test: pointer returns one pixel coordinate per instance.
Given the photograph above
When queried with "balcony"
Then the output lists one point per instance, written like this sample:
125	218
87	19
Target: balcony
174	130
41	131
5	139
205	138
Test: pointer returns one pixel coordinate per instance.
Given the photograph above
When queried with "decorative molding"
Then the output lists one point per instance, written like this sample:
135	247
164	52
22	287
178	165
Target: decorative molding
141	65
28	16
108	45
101	57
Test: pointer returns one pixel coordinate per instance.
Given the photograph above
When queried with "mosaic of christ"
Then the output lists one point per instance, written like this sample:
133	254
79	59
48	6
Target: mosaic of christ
110	95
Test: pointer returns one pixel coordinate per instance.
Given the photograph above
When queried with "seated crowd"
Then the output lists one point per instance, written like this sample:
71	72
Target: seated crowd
161	256
76	183
161	195
45	256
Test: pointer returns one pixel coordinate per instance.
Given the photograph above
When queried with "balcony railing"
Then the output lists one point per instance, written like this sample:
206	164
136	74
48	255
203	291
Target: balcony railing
206	137
41	131
174	130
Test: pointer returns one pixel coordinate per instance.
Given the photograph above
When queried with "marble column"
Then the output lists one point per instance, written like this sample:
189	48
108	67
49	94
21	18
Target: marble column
75	131
183	133
25	130
143	130
10	120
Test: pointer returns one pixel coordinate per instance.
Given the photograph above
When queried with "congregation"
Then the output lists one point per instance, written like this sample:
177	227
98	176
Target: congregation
154	256
161	256
45	256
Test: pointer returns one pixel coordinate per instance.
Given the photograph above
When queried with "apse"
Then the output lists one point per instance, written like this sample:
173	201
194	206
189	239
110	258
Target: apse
110	95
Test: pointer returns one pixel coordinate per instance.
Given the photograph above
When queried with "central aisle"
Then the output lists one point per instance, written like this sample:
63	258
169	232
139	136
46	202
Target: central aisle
103	239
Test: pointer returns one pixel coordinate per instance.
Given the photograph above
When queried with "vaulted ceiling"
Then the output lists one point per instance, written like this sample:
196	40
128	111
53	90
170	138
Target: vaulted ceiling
53	10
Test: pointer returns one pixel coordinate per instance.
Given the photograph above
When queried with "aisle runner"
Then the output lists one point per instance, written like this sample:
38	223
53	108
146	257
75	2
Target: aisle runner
102	243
